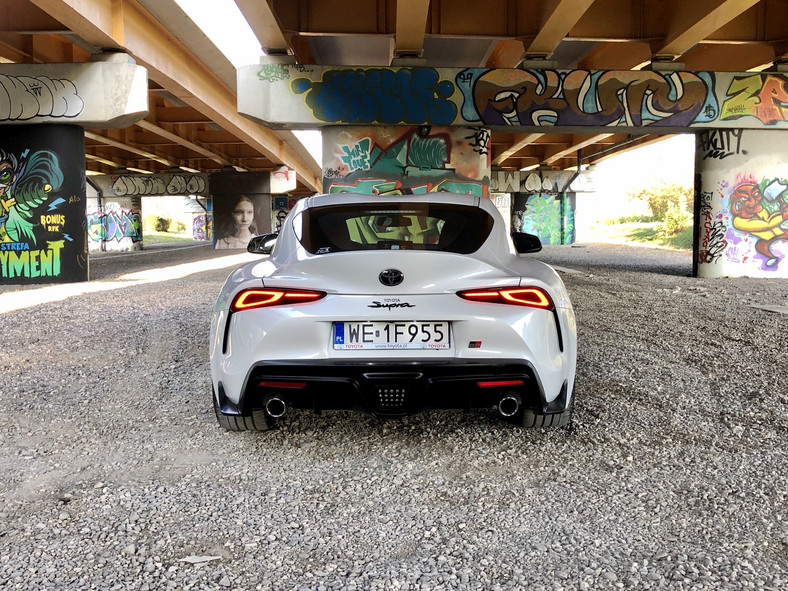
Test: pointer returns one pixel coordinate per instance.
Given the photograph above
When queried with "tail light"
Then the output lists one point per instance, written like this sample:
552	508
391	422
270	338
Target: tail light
532	297
250	299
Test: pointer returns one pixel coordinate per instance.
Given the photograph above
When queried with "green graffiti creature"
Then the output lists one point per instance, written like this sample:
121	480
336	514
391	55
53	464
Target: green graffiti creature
25	183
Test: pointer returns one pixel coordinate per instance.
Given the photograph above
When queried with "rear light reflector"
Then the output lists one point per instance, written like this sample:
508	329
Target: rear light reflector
500	383
292	385
262	298
532	297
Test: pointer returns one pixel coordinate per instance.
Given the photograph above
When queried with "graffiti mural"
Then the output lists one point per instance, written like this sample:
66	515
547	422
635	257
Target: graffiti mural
761	96
201	227
579	97
151	185
471	97
115	224
28	97
389	160
42	205
742	230
379	95
549	216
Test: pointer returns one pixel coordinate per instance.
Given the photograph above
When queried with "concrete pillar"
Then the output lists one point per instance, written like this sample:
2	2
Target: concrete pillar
406	159
741	203
43	236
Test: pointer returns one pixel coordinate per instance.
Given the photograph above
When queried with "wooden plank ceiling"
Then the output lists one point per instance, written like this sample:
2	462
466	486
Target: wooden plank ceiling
193	123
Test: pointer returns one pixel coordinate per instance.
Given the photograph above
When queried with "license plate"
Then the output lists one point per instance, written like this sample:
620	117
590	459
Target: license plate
391	335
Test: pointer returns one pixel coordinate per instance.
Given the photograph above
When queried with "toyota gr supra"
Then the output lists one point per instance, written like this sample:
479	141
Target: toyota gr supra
393	306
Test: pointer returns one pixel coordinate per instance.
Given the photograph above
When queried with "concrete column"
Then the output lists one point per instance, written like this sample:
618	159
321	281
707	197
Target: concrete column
406	159
741	203
241	207
43	236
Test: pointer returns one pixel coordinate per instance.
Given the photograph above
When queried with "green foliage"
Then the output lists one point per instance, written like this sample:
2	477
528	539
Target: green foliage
180	227
631	219
162	224
659	198
677	218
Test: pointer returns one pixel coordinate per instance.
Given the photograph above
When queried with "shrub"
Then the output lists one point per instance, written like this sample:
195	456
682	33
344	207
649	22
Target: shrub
677	218
661	197
162	224
180	227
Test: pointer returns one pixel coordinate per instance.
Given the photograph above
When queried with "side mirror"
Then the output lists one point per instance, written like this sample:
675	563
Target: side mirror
525	243
262	244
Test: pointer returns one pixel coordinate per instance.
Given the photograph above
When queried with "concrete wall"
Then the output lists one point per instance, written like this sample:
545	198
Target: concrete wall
741	204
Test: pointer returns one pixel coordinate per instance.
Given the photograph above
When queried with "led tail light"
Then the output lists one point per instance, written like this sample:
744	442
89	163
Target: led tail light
532	297
263	298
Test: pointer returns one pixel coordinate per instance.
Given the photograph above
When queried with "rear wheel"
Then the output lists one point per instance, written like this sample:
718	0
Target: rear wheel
257	421
530	420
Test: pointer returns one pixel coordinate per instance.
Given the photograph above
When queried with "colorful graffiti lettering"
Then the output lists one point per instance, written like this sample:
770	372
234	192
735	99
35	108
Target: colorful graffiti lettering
713	242
28	97
763	96
357	157
387	187
114	225
379	95
581	97
19	260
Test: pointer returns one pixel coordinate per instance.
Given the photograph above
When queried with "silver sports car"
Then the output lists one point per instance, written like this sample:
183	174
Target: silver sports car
393	306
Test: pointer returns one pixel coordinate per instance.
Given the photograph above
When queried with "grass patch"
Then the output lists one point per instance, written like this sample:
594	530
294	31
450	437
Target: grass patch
152	237
640	233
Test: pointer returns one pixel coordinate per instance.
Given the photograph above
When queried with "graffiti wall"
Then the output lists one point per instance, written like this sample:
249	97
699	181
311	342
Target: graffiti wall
116	225
148	185
550	216
42	205
325	95
406	160
741	204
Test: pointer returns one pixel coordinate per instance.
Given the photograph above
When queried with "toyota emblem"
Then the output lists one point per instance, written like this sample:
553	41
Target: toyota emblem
391	277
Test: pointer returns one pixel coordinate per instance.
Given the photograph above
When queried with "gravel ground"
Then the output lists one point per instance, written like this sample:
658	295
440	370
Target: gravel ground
114	474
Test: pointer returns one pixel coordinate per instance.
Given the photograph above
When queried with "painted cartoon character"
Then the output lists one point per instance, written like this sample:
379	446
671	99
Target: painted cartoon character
25	183
750	216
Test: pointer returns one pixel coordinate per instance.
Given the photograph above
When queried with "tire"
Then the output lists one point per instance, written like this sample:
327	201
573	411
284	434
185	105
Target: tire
257	421
528	419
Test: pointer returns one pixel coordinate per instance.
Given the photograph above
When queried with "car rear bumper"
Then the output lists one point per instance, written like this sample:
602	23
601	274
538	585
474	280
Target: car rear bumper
392	387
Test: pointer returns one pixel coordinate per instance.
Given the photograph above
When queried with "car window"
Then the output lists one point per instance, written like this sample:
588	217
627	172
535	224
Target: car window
394	226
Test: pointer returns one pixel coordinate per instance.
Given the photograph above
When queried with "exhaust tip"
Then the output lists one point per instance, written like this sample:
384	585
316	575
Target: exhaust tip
275	407
509	405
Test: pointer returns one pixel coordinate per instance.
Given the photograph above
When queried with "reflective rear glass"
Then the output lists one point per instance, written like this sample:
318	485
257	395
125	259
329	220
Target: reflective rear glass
394	226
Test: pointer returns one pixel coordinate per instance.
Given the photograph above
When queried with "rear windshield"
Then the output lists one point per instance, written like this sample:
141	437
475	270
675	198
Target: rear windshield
394	226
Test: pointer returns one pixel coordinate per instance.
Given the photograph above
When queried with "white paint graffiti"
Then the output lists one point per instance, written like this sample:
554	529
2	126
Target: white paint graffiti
27	97
138	185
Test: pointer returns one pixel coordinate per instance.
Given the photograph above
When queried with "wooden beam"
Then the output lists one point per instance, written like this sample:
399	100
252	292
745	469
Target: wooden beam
266	27
694	21
97	137
411	25
575	147
557	26
194	147
516	147
174	68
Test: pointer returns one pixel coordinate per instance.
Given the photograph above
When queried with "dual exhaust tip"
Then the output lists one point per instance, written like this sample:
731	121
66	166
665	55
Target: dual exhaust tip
508	406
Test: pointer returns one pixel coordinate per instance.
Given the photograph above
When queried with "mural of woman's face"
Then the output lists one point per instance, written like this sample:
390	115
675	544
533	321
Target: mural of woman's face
243	214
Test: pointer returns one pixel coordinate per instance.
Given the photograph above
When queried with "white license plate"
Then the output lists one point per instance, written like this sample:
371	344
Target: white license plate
391	335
